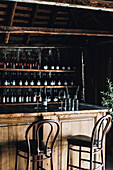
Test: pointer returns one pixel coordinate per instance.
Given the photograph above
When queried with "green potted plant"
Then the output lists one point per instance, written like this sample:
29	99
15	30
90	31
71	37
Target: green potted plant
107	101
107	96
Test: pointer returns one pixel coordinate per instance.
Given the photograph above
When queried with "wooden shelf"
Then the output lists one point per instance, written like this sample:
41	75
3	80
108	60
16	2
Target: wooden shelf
35	87
36	70
18	104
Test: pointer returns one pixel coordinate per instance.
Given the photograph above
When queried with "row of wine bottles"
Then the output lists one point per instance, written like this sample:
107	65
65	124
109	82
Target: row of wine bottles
42	96
32	65
45	59
36	79
29	95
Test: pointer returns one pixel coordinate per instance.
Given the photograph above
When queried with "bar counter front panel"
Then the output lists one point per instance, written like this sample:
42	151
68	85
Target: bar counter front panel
15	119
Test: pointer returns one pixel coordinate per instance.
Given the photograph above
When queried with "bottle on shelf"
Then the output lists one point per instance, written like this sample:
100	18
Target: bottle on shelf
59	79
13	78
44	98
67	100
15	96
19	96
75	103
22	96
20	82
26	97
26	79
29	96
55	94
1	61
12	96
6	79
4	96
32	83
34	96
5	65
38	79
7	96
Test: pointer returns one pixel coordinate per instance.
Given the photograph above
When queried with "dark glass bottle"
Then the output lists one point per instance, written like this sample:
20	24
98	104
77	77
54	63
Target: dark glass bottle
32	82
26	79
44	99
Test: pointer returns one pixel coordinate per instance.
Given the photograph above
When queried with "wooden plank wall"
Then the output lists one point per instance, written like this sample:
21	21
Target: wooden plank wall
98	67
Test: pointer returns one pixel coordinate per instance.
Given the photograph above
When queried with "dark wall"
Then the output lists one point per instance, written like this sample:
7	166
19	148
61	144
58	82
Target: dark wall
98	66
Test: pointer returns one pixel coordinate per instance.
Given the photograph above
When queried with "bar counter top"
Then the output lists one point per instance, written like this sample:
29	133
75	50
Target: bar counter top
11	111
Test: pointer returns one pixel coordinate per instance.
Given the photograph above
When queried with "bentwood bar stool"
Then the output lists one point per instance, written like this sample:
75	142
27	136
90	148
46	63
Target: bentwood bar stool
37	147
94	143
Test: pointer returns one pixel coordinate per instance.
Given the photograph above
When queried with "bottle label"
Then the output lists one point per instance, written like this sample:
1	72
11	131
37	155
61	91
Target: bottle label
32	83
20	100
59	83
26	83
4	99
6	83
52	67
38	83
13	83
14	66
34	99
45	103
57	67
45	83
4	65
12	99
20	83
27	99
7	99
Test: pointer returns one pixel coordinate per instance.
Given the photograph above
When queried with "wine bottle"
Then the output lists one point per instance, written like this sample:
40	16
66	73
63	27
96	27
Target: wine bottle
44	98
12	97
20	83
5	60
32	79
4	97
26	79
38	80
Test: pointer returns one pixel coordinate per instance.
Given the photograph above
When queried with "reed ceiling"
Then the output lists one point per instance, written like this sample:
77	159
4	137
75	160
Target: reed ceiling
15	14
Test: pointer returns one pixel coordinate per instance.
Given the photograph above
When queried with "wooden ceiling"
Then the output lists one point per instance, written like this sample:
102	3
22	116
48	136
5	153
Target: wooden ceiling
25	23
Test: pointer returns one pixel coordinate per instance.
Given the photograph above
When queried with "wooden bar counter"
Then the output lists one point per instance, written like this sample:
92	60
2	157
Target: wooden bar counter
15	119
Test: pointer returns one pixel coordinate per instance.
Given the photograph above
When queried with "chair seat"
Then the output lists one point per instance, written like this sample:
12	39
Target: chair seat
81	140
22	146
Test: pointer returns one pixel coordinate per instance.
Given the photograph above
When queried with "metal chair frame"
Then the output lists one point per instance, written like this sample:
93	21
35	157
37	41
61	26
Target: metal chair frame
93	150
48	154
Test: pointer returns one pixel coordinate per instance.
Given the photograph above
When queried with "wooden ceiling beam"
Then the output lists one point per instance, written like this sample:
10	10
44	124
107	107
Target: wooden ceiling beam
54	31
10	20
100	5
33	16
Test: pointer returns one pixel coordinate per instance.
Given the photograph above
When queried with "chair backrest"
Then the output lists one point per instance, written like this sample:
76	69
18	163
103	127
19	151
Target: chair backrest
100	129
38	125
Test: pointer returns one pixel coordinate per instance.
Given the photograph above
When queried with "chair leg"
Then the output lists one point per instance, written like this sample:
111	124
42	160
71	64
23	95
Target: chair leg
91	159
51	161
80	157
28	163
16	161
68	157
103	168
40	163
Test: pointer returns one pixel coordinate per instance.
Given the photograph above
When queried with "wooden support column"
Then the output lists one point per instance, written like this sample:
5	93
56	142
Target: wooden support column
10	20
33	16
